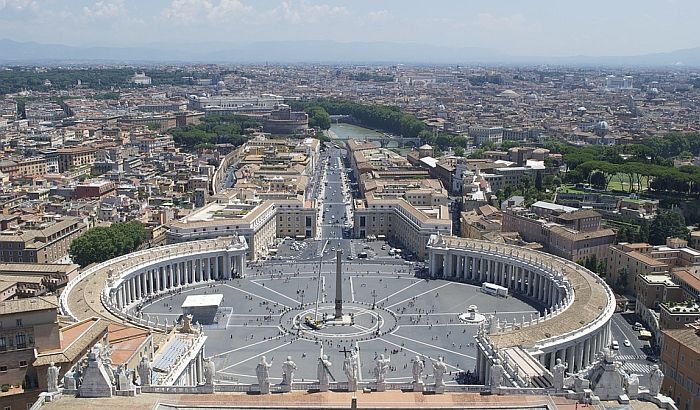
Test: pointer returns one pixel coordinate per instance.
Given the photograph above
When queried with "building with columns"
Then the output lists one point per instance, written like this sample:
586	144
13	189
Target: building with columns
194	263
578	307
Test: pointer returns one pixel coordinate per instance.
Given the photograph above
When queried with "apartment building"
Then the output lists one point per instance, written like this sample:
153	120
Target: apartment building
558	232
680	362
44	242
26	325
483	222
24	167
241	212
400	221
625	262
75	157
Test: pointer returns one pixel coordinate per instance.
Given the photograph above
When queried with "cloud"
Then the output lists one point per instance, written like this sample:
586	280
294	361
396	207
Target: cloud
302	12
104	9
378	15
19	5
193	11
488	21
227	9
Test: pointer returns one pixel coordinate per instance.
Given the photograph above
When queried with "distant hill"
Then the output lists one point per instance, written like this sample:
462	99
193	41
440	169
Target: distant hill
317	52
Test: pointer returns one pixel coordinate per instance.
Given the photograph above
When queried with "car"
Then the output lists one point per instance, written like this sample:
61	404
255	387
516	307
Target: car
383	247
615	345
652	359
627	343
350	258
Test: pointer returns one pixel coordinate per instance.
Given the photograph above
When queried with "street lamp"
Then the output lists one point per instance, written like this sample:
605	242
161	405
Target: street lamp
374	298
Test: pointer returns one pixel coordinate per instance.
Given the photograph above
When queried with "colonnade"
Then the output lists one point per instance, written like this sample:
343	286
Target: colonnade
544	279
162	276
521	276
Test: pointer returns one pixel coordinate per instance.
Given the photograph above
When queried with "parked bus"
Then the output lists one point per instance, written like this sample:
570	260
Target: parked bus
493	289
362	255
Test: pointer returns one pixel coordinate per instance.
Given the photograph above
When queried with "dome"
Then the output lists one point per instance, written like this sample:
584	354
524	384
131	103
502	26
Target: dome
602	125
532	97
509	94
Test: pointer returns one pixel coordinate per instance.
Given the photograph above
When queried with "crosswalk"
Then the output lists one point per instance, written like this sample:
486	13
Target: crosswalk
630	357
639	368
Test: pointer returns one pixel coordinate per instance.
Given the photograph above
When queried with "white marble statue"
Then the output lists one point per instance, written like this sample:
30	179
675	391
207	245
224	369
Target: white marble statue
69	380
558	373
381	368
417	370
122	378
439	370
262	371
288	368
323	369
351	367
656	376
52	377
144	370
209	371
497	371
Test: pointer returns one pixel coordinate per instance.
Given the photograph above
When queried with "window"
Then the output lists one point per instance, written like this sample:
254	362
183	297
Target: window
3	344
21	340
22	363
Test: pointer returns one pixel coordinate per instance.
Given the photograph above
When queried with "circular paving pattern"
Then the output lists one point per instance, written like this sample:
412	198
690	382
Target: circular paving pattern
362	322
268	313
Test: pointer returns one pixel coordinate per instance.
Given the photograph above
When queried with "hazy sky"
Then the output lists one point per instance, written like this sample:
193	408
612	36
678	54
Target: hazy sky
520	27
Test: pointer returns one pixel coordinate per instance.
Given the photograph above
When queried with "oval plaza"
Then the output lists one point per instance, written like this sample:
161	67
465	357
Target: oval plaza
574	324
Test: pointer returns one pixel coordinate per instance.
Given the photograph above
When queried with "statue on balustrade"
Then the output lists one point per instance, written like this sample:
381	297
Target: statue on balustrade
288	368
144	370
52	378
209	371
351	367
656	377
559	372
497	371
439	370
417	370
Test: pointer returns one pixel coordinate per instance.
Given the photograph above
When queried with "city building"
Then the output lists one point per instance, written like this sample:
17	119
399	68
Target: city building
572	234
399	221
140	79
625	262
240	212
44	241
679	360
483	134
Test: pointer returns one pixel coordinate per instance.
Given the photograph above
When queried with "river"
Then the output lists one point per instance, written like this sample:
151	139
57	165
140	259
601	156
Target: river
344	131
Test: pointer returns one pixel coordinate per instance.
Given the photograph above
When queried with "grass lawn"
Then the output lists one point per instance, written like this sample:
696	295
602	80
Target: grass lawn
620	182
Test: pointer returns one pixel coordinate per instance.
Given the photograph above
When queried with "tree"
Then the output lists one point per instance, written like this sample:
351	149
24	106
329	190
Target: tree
318	117
102	243
621	284
667	224
598	180
459	151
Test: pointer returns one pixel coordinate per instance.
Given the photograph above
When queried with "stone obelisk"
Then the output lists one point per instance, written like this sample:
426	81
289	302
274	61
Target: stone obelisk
338	285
